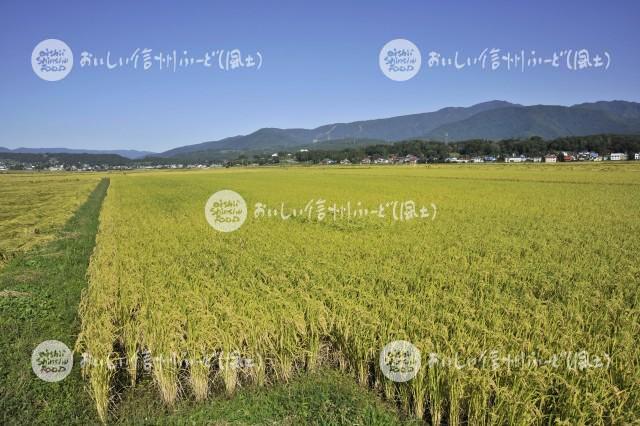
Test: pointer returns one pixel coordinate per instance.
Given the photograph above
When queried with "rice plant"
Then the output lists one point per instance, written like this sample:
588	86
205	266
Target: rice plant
527	260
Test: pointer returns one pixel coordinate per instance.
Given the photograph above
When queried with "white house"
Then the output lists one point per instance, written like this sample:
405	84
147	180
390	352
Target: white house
520	159
618	156
636	156
549	158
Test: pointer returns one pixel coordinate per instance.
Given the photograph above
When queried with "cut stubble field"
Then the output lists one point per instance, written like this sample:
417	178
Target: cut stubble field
519	260
34	206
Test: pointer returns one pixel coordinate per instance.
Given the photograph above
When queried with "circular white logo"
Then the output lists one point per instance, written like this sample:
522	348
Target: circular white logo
226	211
52	60
52	361
400	59
400	361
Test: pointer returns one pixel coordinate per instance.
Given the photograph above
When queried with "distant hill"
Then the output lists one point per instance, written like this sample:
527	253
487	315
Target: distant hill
127	153
336	144
622	109
492	120
386	129
64	158
548	122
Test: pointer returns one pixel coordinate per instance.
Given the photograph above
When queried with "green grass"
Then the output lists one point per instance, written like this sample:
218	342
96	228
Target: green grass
47	283
323	398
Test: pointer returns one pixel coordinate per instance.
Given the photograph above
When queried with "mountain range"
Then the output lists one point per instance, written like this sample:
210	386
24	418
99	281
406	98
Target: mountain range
131	154
493	120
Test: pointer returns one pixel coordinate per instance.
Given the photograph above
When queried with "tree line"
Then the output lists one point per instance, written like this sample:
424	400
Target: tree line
438	151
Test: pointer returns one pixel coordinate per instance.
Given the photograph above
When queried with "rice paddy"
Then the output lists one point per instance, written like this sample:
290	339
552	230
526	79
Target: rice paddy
34	206
536	263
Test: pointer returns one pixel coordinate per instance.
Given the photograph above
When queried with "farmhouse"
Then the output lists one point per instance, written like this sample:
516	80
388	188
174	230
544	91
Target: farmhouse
587	156
410	159
514	159
618	156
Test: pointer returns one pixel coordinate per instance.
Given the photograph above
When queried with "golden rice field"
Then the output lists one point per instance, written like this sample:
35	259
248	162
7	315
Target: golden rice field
34	206
539	260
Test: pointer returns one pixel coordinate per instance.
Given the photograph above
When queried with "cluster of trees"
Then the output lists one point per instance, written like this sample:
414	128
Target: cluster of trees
18	161
438	151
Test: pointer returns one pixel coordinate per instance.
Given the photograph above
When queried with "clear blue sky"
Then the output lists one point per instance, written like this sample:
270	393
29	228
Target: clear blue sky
320	64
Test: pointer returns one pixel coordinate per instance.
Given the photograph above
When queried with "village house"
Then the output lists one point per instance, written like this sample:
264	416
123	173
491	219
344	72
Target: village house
587	156
618	156
410	159
514	159
456	160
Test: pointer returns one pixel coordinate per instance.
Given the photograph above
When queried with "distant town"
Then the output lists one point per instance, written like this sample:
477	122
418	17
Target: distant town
411	152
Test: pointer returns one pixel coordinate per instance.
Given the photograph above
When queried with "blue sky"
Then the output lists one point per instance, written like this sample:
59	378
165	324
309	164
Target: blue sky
320	64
